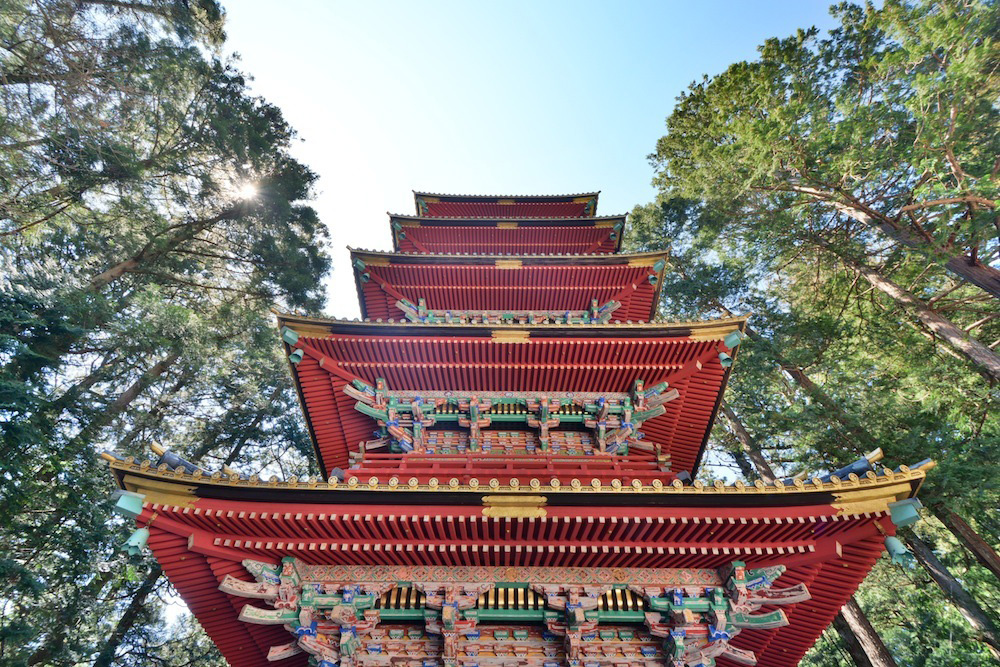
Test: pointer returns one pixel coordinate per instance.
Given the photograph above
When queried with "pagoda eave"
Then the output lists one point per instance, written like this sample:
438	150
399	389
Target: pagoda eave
559	359
506	234
813	498
515	223
629	286
445	196
206	533
715	329
624	259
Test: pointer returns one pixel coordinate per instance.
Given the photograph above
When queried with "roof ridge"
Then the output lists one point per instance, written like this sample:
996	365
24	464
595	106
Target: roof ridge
648	253
735	321
592	193
501	218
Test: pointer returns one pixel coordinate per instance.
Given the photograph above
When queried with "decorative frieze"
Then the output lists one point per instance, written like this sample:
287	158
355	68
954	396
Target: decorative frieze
614	418
690	615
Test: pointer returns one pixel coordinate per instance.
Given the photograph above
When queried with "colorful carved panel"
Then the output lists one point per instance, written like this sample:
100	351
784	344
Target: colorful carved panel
613	418
470	616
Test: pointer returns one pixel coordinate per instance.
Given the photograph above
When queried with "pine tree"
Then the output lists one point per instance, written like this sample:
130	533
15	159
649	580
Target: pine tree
150	217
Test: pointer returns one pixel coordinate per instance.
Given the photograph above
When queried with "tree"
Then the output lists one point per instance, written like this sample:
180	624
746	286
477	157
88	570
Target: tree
150	217
827	375
890	121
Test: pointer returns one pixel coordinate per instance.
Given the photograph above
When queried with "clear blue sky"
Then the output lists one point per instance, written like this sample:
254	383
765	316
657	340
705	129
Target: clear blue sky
484	97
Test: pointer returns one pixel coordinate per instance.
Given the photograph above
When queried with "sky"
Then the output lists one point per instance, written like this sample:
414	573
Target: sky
509	97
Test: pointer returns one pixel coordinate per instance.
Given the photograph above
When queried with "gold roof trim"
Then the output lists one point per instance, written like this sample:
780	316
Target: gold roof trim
854	495
627	258
705	330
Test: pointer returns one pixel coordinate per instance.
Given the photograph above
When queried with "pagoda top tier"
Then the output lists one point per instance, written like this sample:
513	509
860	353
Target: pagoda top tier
506	206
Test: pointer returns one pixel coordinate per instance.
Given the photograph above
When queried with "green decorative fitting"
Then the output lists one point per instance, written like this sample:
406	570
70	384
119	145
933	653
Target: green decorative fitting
693	629
374	413
421	313
646	415
289	336
734	339
128	503
296	356
653	280
359	265
725	360
898	552
762	621
137	542
905	512
614	417
659	266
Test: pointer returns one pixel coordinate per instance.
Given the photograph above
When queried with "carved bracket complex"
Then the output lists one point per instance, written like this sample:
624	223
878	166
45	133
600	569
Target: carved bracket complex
596	314
339	623
404	417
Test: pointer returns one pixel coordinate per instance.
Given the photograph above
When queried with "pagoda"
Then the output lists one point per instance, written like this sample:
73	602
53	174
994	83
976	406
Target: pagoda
508	439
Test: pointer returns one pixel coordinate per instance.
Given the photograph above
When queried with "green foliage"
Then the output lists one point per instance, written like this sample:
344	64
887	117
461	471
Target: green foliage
890	120
135	286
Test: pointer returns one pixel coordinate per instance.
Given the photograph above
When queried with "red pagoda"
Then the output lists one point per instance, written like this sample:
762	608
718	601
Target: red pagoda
508	439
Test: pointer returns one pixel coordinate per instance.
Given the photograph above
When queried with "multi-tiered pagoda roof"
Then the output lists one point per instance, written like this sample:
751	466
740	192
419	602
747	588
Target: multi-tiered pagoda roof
507	443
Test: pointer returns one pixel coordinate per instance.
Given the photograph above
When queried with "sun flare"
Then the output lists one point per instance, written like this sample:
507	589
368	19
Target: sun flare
247	191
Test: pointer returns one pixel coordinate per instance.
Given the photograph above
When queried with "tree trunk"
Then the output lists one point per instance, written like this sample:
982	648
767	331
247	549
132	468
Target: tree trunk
743	463
983	626
970	539
850	642
153	415
982	276
58	346
860	638
155	249
241	441
853	429
749	445
970	348
128	618
46	418
124	399
86	434
139	385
